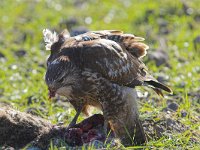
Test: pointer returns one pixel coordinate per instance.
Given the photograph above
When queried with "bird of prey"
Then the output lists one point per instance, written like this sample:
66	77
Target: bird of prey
101	69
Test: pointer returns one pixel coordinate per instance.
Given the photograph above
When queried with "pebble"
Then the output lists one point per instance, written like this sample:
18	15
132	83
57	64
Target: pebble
173	106
160	57
20	53
183	113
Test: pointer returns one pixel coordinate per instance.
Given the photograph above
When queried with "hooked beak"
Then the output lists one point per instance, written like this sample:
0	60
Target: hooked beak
52	93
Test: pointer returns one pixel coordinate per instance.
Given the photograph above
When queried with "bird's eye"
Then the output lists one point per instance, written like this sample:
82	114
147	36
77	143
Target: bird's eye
61	80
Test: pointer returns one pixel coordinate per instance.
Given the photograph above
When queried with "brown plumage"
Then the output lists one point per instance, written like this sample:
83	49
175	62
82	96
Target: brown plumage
98	68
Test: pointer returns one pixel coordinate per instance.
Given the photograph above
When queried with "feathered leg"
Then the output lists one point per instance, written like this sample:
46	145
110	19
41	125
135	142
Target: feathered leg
120	110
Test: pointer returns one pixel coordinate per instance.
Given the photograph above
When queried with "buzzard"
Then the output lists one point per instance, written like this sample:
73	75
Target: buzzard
101	69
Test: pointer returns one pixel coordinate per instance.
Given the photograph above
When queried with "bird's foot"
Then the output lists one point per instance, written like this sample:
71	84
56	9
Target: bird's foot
74	120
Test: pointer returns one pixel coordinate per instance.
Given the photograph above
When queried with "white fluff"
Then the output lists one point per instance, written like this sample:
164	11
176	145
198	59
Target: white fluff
49	38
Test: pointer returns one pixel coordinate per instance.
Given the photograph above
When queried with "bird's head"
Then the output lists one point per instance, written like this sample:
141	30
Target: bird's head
61	77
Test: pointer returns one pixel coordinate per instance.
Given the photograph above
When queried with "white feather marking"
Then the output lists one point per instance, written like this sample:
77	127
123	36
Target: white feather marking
78	38
49	38
125	55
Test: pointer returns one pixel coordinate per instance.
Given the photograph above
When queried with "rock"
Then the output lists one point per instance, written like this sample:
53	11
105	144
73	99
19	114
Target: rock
173	106
160	57
162	78
183	113
20	53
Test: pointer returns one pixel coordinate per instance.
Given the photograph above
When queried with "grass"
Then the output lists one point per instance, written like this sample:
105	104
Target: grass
22	77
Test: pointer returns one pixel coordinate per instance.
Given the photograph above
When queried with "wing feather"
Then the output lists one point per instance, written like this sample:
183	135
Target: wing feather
114	55
130	42
107	58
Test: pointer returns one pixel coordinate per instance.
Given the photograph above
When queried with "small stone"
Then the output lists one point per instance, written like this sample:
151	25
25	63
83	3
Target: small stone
183	113
173	106
20	53
163	78
160	57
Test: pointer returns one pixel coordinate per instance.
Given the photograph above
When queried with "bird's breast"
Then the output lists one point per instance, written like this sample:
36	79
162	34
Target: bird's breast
64	91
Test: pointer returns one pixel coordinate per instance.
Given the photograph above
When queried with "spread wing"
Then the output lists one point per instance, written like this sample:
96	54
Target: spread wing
109	58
